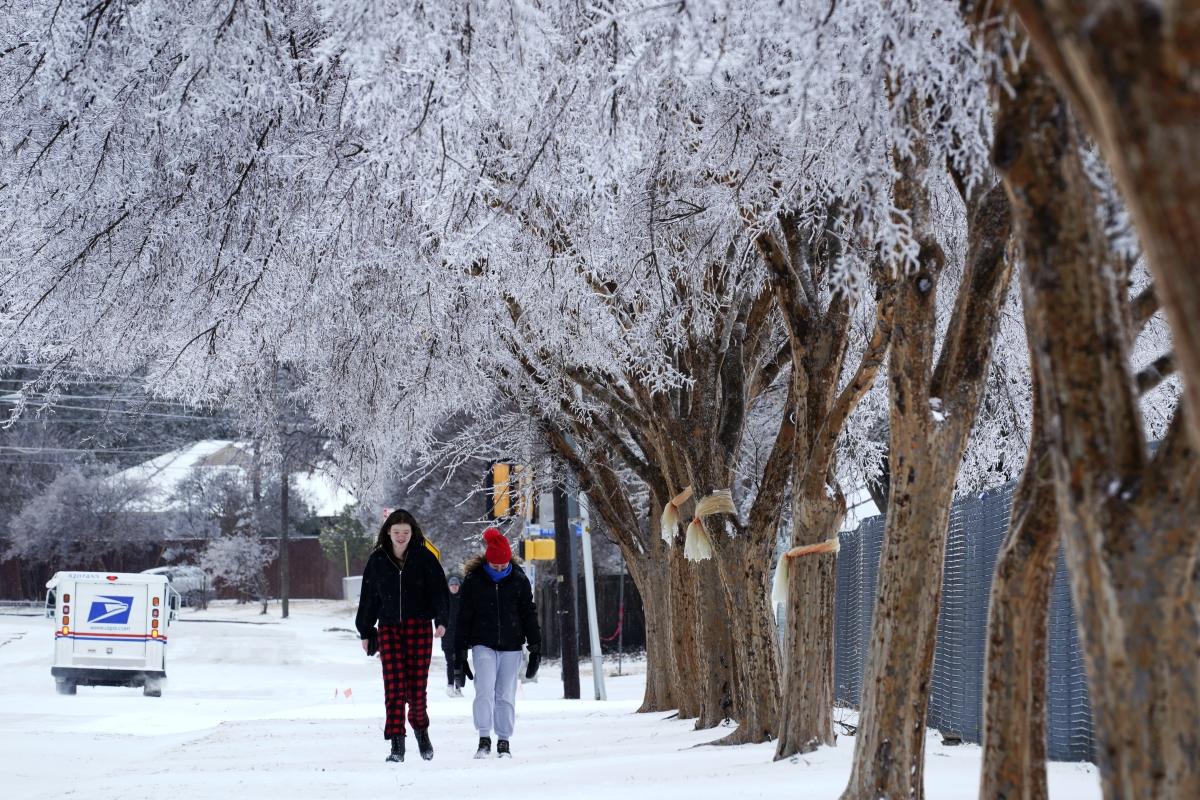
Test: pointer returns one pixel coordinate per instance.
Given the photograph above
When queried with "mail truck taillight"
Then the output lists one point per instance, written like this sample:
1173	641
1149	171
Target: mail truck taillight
66	609
66	598
154	601
154	613
153	623
153	634
66	621
66	630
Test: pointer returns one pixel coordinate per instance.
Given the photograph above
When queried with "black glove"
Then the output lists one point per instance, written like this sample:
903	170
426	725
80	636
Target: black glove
372	643
462	667
535	661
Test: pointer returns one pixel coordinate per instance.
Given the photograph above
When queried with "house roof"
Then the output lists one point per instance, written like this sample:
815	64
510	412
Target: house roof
320	487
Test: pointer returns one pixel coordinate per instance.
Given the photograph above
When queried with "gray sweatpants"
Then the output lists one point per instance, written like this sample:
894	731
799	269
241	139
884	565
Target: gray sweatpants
495	690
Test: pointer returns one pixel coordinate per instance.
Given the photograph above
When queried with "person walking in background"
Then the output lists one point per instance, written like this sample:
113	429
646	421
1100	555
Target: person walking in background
403	605
454	675
496	617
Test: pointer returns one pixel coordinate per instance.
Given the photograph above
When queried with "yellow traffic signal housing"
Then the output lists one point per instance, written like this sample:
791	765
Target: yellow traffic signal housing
539	549
510	491
500	496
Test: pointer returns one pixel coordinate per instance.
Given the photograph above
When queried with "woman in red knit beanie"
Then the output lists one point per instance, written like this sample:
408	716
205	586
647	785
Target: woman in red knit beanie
496	617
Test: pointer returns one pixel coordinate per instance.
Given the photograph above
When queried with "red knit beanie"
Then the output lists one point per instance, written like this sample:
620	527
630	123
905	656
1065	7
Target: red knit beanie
498	551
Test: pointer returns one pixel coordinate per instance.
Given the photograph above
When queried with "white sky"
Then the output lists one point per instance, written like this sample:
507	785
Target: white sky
326	495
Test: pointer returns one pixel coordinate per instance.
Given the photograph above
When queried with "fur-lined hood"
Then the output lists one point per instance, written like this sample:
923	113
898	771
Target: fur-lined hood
475	564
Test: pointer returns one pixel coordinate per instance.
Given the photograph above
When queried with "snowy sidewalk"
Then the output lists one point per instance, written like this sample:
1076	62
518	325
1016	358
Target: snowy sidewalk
250	712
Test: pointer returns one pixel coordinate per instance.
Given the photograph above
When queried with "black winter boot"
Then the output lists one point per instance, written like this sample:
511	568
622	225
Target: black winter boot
423	743
502	750
397	753
485	747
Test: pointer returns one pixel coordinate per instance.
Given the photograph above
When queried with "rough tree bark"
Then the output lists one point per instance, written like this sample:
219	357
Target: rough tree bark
737	626
1129	70
660	688
819	339
692	436
1015	673
1129	520
698	657
1014	706
931	413
645	558
697	433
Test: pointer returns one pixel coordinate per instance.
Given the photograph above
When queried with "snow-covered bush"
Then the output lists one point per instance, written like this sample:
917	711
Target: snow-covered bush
83	519
239	562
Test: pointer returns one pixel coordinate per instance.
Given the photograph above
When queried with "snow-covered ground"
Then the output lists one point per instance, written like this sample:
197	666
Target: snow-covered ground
256	708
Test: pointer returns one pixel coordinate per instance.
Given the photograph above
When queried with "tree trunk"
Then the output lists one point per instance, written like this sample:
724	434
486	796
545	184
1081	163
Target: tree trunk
645	557
804	457
651	580
1141	651
1014	708
1129	522
1129	71
889	756
806	711
1014	734
685	639
931	410
715	655
756	677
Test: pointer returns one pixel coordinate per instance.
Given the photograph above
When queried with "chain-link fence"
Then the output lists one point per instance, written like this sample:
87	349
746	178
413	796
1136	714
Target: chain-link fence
977	529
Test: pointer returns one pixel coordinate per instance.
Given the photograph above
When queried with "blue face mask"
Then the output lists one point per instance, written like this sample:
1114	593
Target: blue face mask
495	574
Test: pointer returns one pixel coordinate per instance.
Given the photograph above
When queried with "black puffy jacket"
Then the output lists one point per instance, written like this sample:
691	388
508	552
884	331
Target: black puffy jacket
500	615
391	593
455	602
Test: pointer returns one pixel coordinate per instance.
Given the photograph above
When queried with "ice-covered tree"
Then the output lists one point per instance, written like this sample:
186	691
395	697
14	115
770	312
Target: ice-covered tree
86	518
1126	69
671	242
1125	509
240	562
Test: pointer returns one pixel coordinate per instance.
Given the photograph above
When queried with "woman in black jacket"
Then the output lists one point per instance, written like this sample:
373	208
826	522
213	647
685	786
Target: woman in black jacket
403	590
496	617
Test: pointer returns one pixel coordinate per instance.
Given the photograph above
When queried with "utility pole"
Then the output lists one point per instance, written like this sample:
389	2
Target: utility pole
283	538
258	517
567	626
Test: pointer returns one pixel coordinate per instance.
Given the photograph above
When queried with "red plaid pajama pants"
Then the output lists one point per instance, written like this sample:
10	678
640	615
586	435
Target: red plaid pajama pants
405	650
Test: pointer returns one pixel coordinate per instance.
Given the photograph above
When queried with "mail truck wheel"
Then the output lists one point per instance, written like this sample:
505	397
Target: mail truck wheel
64	686
152	688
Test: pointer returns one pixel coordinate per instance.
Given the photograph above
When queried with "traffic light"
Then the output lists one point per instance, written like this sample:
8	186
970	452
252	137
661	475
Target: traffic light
499	497
510	491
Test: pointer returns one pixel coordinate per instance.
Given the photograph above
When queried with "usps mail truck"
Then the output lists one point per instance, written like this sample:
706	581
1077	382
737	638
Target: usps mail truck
111	629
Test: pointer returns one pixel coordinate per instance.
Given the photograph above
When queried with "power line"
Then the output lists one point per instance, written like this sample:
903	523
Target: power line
32	399
56	369
25	462
35	450
158	414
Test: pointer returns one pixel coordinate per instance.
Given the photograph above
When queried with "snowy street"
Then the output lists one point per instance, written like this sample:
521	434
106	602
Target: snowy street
255	708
